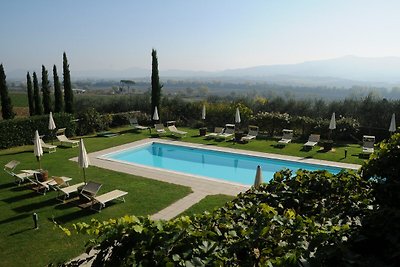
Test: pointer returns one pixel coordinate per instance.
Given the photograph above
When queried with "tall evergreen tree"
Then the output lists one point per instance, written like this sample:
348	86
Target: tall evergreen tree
30	94
36	96
155	83
68	94
46	91
6	105
58	98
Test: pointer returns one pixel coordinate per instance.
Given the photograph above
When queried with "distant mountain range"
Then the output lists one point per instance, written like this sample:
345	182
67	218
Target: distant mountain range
344	72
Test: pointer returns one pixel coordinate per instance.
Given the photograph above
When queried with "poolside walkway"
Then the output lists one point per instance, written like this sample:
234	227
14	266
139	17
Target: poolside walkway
200	186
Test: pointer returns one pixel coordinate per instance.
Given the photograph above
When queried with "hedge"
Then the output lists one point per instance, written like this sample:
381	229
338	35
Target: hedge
18	132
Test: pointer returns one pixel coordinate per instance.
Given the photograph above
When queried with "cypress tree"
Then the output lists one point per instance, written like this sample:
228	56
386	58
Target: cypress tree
36	96
58	99
30	94
46	91
68	94
155	83
6	105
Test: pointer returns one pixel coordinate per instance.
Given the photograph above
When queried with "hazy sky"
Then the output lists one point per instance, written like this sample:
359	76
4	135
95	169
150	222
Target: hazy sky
193	35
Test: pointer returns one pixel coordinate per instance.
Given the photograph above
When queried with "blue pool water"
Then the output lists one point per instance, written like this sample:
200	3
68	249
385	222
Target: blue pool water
226	166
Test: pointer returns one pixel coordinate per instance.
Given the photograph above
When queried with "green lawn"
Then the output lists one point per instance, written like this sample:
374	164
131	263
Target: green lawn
293	149
19	99
20	244
209	203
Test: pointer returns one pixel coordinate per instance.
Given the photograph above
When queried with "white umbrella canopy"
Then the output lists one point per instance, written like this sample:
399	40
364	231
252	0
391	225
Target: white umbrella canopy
237	116
155	115
37	147
83	160
52	125
392	127
258	179
332	124
203	113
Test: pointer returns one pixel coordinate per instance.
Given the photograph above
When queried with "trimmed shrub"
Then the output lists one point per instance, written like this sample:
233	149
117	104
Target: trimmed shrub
18	132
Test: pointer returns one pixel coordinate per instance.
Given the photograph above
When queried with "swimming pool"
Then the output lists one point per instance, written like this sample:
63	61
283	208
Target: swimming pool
226	166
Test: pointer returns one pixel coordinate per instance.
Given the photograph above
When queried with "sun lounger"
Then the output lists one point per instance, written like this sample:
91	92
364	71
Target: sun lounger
134	123
40	187
20	177
175	131
217	131
104	198
368	144
312	141
66	142
228	132
90	190
66	191
160	128
286	138
253	132
47	147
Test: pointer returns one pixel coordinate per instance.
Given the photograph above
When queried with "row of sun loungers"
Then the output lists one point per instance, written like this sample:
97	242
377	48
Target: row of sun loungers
64	190
160	130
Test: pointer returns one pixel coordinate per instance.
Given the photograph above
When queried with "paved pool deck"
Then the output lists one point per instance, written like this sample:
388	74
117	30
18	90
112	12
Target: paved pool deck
201	187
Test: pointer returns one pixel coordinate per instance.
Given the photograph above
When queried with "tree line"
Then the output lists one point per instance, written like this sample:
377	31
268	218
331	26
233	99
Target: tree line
40	99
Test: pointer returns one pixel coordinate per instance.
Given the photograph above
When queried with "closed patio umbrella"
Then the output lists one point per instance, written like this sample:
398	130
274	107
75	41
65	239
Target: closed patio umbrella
332	124
237	116
203	113
37	147
52	125
83	160
258	179
392	127
155	114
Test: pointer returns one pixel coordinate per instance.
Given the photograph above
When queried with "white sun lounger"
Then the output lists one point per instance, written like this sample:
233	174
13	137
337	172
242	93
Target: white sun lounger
229	131
67	142
312	141
47	147
134	123
286	138
368	144
20	177
175	131
160	128
253	132
66	191
103	199
217	131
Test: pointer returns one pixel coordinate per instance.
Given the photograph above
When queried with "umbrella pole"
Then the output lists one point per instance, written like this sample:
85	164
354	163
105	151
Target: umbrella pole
38	159
84	176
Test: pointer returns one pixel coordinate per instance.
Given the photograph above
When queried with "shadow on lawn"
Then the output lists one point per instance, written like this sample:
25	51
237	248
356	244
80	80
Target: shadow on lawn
73	216
15	218
20	197
37	205
5	186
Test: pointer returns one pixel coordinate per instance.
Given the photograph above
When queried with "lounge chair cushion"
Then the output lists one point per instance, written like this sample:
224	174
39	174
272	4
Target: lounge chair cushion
66	142
109	196
174	130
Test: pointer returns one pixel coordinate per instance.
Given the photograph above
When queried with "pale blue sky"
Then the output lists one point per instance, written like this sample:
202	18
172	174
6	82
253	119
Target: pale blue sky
193	35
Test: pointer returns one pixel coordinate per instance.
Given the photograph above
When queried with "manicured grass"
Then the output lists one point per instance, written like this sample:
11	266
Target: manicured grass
293	149
209	203
20	244
19	99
